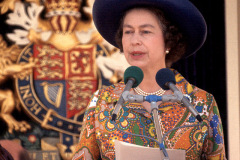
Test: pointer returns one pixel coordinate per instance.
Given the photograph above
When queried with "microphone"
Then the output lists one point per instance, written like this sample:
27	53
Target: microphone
166	80
133	76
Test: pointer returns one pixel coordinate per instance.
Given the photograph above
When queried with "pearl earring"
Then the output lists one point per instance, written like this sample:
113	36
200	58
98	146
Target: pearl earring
167	51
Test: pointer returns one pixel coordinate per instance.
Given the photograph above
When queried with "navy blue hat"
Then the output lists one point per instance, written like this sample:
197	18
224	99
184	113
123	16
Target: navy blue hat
107	15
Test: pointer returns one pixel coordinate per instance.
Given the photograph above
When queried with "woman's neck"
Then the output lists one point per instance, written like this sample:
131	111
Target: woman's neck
149	83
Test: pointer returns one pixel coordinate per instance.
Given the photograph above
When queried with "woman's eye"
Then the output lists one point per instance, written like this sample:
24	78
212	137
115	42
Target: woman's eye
146	32
127	32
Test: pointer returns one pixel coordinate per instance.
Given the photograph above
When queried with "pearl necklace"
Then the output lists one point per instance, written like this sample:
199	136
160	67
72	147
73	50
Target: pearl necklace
138	90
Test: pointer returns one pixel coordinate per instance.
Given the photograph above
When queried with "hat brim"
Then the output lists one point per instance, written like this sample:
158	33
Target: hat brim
107	15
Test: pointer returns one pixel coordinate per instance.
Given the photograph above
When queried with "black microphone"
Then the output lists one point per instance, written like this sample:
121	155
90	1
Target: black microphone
133	76
166	80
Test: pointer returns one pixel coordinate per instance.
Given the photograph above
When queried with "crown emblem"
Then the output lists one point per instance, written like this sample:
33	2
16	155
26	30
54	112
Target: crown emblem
62	7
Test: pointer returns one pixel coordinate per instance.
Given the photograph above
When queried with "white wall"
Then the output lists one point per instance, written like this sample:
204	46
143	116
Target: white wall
233	64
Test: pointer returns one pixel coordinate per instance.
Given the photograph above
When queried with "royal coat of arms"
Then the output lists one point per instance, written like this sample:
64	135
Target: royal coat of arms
57	60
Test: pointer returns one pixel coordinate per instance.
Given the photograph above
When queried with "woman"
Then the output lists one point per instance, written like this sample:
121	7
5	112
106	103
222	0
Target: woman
152	34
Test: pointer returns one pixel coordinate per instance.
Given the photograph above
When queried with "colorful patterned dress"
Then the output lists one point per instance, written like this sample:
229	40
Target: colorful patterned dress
201	142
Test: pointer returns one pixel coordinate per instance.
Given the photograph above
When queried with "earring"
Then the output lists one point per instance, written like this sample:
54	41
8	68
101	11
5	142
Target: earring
167	51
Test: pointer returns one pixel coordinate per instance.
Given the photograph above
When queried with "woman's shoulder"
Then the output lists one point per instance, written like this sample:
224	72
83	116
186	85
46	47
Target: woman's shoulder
111	93
202	96
190	89
113	86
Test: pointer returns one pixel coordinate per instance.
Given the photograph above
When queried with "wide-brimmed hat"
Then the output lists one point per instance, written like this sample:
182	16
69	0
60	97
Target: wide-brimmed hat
107	15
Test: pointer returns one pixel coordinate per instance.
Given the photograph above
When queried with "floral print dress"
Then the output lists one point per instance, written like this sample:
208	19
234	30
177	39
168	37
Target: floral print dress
200	142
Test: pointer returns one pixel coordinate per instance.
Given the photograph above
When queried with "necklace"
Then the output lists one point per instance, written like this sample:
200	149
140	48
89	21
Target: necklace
138	90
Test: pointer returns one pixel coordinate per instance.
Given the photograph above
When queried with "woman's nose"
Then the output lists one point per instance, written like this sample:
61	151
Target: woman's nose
136	39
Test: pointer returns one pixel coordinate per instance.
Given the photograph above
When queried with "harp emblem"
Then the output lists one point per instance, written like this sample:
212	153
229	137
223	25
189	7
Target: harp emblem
53	93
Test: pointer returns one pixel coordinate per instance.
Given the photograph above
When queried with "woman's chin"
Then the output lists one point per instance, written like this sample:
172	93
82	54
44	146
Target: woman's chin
140	65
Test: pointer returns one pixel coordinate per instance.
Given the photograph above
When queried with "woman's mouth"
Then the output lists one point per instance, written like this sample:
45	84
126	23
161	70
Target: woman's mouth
137	53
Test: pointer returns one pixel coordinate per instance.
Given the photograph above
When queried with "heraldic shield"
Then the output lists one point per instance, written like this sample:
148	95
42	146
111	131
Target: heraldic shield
56	94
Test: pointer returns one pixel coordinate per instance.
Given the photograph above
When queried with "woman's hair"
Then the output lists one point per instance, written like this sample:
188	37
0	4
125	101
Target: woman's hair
173	38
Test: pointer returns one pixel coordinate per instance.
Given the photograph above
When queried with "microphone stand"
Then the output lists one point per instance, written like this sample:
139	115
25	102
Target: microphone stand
152	99
154	110
120	102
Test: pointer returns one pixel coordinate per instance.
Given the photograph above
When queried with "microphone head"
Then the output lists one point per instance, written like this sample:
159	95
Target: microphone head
164	76
135	73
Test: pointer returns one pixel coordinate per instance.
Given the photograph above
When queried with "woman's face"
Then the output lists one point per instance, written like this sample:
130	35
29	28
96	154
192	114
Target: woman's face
142	40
